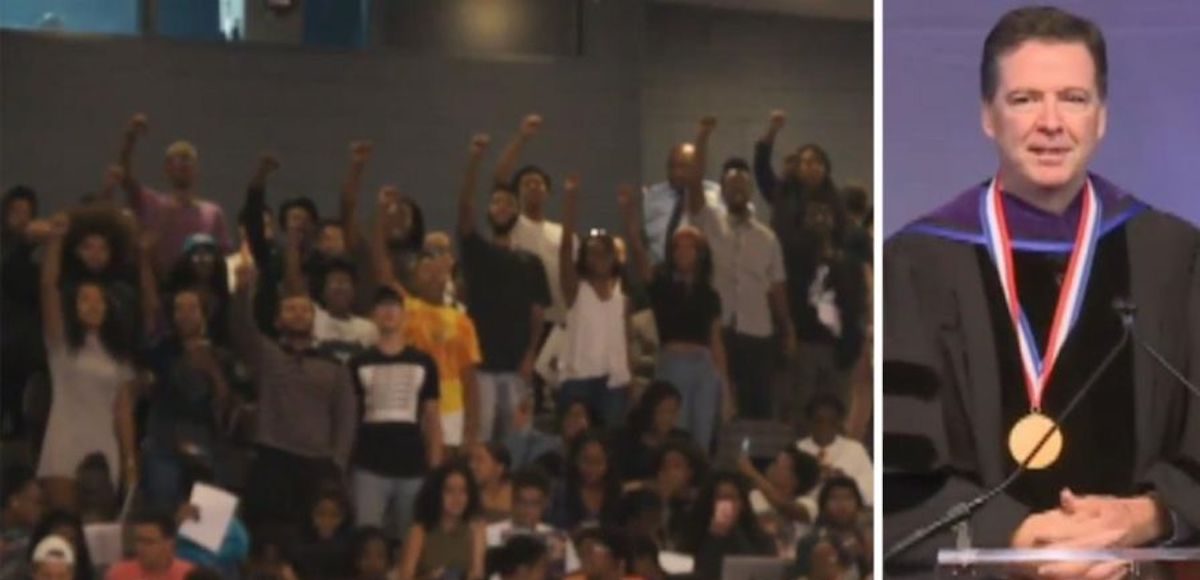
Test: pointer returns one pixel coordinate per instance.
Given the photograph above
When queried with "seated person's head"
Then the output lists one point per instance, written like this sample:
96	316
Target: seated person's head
644	555
53	559
330	512
794	472
678	466
154	540
520	558
658	410
371	554
490	464
576	420
825	414
839	503
23	501
642	512
531	496
603	553
449	492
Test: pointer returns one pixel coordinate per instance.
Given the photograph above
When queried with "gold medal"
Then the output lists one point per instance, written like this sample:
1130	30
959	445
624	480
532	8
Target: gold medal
1025	435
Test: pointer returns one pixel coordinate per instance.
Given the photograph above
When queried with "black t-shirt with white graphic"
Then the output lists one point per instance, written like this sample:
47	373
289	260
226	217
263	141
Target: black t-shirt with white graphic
391	390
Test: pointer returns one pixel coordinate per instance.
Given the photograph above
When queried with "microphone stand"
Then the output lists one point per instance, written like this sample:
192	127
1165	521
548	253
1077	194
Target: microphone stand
959	514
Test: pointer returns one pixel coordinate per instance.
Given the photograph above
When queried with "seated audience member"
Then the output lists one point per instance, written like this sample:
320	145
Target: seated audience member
643	515
527	444
324	546
651	425
491	465
371	555
679	470
447	539
643	552
837	528
400	429
590	494
836	453
21	509
228	559
519	558
604	555
154	551
54	559
531	498
69	527
785	498
724	525
269	559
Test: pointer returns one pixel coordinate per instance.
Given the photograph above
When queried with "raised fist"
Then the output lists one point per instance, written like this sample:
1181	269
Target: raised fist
531	124
138	124
707	124
479	143
778	118
268	163
360	151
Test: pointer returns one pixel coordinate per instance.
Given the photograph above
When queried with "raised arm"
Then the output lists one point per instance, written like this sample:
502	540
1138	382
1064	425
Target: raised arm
51	301
629	203
123	423
466	193
567	276
136	127
512	152
778	500
389	199
695	189
255	206
246	337
114	176
360	153
764	173
148	281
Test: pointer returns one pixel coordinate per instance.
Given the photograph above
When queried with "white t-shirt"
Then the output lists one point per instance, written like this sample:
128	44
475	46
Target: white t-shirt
544	240
559	543
343	337
849	457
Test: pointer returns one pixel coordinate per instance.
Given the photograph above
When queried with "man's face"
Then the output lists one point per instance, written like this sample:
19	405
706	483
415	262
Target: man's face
20	213
339	292
188	314
1047	116
533	189
529	504
332	241
95	253
825	424
388	316
181	170
502	210
154	550
679	164
736	189
297	220
295	316
429	279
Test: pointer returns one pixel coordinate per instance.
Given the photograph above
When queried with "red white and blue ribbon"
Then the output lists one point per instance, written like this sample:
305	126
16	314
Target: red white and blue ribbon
1038	369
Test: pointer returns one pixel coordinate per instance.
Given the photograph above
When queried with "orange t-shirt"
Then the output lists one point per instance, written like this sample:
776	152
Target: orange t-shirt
447	335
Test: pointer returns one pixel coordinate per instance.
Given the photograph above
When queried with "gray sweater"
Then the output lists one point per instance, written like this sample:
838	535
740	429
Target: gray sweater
306	402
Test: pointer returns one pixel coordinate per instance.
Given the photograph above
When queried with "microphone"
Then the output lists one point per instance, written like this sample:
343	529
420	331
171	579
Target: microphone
1127	310
961	512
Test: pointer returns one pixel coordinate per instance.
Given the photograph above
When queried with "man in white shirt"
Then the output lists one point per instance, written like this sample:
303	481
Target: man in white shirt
531	496
337	330
836	454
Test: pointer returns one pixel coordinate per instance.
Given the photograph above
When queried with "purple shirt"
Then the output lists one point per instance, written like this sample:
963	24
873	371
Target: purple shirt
173	222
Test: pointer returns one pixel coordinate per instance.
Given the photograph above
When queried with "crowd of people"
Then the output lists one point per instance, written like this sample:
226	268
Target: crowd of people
513	398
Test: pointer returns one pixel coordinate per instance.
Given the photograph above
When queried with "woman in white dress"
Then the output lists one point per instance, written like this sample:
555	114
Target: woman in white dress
92	377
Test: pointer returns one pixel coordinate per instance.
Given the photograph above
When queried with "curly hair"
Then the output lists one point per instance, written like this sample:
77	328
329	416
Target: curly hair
116	331
108	224
641	417
428	506
573	482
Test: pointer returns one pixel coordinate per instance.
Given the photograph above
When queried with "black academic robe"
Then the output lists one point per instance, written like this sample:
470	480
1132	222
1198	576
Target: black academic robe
946	416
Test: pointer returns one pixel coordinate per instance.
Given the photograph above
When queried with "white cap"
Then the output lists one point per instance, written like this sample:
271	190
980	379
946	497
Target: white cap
54	549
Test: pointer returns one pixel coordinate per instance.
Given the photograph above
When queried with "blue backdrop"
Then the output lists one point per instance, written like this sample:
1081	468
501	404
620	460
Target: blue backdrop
933	146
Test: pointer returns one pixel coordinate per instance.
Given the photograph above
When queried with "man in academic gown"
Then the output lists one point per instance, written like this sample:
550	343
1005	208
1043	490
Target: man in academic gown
958	380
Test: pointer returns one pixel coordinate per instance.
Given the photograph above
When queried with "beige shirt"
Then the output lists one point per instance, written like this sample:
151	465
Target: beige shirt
544	239
747	261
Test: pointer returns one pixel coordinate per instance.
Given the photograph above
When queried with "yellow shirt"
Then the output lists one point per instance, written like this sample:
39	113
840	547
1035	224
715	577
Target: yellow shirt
447	335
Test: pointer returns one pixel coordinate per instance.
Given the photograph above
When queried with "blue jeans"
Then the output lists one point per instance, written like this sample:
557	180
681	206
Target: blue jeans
372	495
499	394
699	384
604	404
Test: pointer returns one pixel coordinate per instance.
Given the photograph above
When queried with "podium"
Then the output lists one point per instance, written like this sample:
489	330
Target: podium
1141	563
